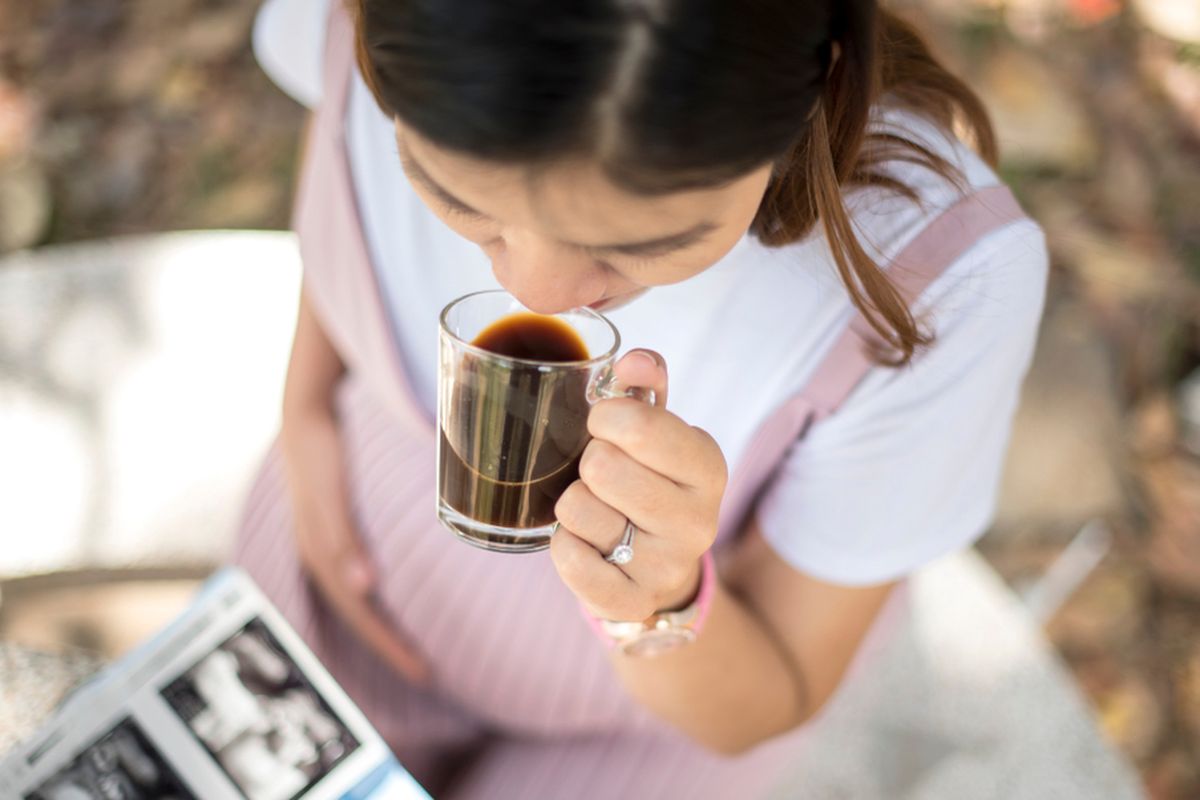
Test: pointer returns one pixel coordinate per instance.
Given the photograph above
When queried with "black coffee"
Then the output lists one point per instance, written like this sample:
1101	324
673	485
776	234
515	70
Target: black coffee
513	434
533	337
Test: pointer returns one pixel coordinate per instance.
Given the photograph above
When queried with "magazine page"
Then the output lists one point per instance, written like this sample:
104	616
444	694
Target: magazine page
226	702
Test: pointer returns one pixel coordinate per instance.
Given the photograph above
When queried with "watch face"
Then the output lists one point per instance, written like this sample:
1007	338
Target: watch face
656	641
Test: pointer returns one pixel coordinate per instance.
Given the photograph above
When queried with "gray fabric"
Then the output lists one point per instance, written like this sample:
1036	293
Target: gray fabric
31	686
967	702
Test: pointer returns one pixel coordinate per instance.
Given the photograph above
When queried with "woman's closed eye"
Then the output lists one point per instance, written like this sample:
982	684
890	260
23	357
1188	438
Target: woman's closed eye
457	209
631	257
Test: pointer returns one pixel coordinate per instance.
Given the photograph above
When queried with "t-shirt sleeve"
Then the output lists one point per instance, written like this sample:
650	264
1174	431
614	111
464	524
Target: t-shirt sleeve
909	467
289	44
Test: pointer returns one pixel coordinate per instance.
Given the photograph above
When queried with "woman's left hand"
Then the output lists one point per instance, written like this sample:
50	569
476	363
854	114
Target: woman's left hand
646	465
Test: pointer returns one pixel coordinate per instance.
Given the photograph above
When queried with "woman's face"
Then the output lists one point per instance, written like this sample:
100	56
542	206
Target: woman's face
565	236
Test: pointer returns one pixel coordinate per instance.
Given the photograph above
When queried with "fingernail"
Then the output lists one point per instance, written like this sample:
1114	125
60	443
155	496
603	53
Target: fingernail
643	356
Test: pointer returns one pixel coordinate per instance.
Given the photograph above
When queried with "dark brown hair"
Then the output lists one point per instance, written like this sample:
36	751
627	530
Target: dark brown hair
670	96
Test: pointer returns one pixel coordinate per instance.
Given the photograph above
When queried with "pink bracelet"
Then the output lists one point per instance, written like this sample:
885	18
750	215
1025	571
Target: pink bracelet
702	602
708	587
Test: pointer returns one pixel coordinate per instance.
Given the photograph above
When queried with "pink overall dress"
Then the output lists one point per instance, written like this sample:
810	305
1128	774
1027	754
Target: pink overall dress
524	703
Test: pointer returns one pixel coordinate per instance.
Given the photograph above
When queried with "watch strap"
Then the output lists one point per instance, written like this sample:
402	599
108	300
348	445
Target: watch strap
699	606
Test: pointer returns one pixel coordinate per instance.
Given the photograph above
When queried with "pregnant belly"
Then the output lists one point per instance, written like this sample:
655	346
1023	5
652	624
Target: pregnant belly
504	636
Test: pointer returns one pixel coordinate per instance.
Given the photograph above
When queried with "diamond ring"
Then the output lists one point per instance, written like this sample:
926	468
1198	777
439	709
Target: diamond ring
623	552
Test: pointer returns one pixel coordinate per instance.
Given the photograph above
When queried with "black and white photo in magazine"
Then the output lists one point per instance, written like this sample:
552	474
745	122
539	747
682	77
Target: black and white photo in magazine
254	710
120	765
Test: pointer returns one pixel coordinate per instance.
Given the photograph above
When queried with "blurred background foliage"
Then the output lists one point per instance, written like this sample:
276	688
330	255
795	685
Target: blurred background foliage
126	116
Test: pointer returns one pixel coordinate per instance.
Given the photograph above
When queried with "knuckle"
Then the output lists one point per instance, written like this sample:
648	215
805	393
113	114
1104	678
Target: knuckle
704	531
673	576
638	428
643	607
597	460
633	607
567	557
568	509
720	474
718	470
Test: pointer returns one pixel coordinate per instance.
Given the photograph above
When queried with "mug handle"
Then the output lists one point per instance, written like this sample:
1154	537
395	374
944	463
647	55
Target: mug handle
604	386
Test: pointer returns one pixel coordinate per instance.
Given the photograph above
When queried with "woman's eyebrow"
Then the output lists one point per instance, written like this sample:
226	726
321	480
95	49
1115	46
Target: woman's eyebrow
660	244
417	172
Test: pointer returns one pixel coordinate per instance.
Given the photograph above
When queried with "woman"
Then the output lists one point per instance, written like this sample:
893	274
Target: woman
770	203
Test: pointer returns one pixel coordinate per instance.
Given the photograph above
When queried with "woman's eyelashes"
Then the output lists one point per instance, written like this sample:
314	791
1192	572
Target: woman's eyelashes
463	212
608	257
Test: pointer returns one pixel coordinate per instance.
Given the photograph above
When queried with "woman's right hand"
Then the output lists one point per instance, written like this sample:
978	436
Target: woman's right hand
327	538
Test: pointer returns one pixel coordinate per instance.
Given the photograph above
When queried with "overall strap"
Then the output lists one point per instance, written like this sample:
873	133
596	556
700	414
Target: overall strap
931	253
338	63
848	361
339	274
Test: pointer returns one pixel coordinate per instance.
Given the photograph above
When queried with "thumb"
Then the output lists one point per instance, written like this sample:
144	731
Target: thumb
646	369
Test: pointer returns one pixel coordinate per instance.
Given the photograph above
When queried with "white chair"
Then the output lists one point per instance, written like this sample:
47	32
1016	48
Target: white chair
140	383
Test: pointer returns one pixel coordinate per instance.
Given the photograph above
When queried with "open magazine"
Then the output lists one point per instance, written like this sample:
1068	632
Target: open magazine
227	702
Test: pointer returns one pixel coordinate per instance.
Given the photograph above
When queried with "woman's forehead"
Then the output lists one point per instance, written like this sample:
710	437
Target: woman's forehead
572	200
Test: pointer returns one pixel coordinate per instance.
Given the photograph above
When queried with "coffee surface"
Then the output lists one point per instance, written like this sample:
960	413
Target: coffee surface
533	337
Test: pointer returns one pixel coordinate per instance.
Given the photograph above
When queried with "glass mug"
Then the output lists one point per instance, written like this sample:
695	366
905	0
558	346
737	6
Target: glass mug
514	391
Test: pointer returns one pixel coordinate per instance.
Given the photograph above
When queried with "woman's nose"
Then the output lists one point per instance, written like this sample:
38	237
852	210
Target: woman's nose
545	275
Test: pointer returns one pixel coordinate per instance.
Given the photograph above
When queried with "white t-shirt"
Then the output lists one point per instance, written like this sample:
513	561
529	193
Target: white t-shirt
909	467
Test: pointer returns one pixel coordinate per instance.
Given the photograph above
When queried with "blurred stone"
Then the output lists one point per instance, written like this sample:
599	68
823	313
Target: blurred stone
24	205
1132	718
108	617
139	71
1064	463
129	154
180	89
953	11
1189	412
151	16
1181	84
1126	185
115	182
62	140
48	470
1031	20
1105	615
1115	272
247	203
1173	775
218	34
1039	122
89	347
1093	12
1097	673
1187	687
1172	486
1174	19
32	684
18	121
1154	426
